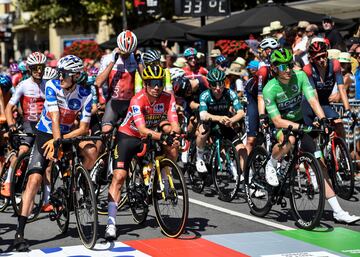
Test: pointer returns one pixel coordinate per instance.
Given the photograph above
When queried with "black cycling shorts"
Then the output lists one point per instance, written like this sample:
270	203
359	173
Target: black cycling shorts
126	148
28	127
115	110
225	131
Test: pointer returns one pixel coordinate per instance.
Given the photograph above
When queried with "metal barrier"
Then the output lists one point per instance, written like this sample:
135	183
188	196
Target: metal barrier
352	136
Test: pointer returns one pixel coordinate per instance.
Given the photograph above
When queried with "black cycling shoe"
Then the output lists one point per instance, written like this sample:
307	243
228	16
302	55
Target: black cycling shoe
20	244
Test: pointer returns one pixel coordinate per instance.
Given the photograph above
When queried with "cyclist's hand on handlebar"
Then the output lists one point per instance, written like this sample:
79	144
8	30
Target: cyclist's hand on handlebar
263	121
171	139
49	150
225	120
305	128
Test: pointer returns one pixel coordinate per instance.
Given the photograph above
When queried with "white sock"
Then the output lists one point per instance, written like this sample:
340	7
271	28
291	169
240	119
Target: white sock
47	193
199	153
273	161
8	178
335	204
112	210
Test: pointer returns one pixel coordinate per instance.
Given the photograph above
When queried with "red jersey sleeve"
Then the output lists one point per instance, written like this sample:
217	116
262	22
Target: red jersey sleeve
307	70
171	113
137	112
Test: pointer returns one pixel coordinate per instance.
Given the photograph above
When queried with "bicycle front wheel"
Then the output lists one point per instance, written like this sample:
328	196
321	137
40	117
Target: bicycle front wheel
84	200
18	185
172	203
343	171
4	201
307	191
226	170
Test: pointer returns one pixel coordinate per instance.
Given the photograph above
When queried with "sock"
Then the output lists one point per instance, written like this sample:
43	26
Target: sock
21	225
8	178
199	153
112	210
335	204
273	161
47	193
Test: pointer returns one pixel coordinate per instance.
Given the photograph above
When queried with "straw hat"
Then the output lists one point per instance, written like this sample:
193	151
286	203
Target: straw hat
303	24
180	62
162	58
344	57
333	53
199	55
240	61
266	31
215	53
234	69
275	25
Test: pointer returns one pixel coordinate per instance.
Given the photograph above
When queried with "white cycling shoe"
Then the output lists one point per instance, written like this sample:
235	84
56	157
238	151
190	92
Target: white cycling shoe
270	175
201	166
110	233
345	217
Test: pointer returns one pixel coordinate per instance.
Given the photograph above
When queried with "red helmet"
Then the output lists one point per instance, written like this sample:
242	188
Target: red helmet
127	41
317	47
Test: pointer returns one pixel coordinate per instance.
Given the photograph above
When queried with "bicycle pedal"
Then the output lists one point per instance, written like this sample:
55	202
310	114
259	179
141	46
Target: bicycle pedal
283	203
53	216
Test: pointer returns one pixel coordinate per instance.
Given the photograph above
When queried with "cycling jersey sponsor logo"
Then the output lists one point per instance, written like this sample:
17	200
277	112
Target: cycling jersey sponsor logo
173	107
291	103
74	104
50	93
267	101
83	91
136	110
294	88
159	108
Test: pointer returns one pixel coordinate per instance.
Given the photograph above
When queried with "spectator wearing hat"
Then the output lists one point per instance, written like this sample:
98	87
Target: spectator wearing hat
299	46
253	67
213	54
334	36
221	63
266	32
349	79
278	32
243	72
357	73
180	62
233	74
333	53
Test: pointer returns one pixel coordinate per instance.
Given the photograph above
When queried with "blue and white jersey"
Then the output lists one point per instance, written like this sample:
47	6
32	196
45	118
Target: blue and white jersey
68	104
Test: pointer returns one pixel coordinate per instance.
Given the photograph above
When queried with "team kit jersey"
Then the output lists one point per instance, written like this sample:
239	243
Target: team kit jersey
68	104
324	87
199	74
122	76
141	112
220	106
31	97
285	100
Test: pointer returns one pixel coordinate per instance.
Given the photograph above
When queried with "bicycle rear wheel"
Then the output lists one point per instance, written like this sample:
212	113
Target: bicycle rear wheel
172	207
307	191
84	201
258	191
4	201
343	170
137	192
226	170
18	185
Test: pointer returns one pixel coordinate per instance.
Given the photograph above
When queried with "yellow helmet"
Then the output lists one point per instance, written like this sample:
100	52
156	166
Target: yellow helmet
153	72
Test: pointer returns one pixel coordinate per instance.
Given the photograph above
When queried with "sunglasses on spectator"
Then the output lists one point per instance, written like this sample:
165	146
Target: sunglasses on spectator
283	67
190	58
37	67
155	83
219	84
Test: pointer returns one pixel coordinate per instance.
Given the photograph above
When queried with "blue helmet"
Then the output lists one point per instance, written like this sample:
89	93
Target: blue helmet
190	52
5	83
22	66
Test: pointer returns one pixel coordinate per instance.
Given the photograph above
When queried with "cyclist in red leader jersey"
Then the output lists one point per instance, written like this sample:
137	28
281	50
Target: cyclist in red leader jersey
30	94
149	109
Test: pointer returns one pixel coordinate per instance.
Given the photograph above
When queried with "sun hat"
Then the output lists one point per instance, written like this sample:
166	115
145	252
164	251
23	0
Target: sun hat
275	25
215	53
266	31
344	57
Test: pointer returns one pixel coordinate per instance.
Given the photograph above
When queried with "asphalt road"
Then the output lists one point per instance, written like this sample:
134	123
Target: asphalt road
208	216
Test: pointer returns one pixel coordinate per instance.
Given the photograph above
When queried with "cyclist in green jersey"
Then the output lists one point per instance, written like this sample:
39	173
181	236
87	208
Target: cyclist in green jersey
283	96
152	57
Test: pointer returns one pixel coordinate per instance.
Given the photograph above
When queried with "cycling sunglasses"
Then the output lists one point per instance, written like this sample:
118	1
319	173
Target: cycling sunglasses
37	67
285	66
64	74
220	84
155	82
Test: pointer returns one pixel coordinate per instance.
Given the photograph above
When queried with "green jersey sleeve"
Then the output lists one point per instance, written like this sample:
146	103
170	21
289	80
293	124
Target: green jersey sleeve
306	88
270	100
235	100
204	98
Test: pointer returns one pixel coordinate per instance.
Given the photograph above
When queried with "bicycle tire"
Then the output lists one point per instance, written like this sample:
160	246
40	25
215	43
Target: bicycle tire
226	173
137	192
18	185
4	201
101	186
303	188
84	196
196	179
178	196
59	199
343	178
258	191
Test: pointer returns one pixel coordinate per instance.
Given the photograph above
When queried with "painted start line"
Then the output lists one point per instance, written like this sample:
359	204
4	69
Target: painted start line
286	242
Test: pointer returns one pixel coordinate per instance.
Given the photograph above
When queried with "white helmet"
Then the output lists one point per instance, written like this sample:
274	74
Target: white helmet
269	42
36	58
127	41
70	63
50	73
176	73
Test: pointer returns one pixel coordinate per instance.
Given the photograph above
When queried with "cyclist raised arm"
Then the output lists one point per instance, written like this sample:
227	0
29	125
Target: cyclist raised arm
149	109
